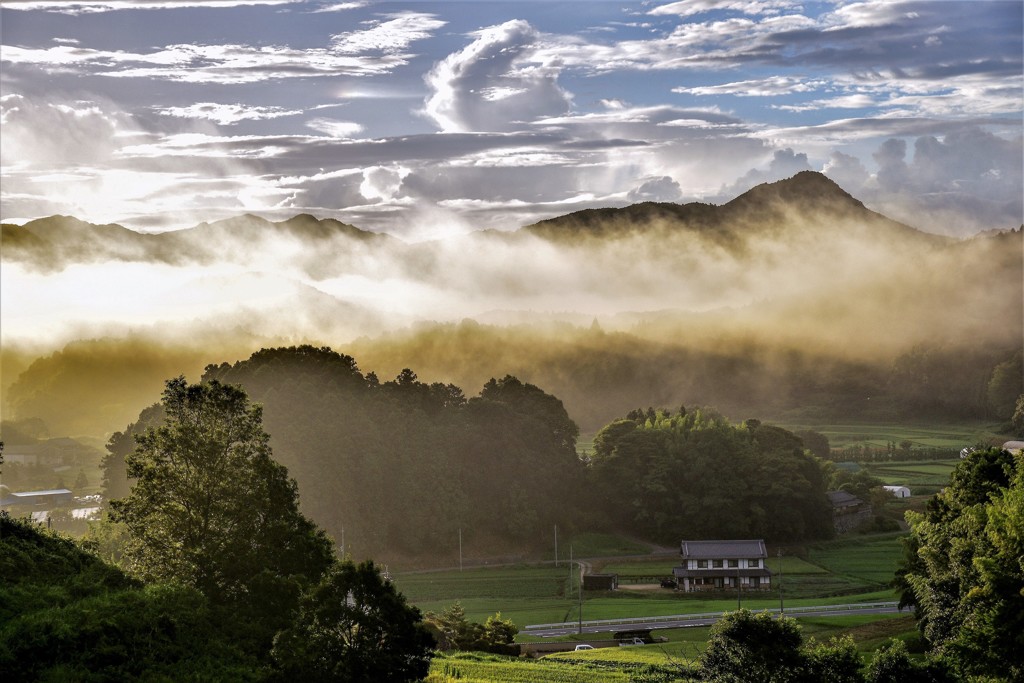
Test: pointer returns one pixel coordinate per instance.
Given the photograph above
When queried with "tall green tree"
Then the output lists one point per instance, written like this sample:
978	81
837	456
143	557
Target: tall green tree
211	508
353	627
966	574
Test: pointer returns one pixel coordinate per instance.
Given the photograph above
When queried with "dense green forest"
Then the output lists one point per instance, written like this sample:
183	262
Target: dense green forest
689	474
396	469
399	467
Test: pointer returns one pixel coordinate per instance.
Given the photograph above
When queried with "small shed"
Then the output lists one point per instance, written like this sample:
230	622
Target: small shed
600	582
898	491
848	511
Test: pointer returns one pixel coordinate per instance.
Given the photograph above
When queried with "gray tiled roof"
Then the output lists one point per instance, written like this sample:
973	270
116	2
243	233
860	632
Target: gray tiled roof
722	550
841	499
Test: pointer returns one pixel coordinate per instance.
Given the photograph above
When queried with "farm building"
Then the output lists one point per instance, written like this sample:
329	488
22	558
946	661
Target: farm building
848	511
600	582
722	565
898	491
48	498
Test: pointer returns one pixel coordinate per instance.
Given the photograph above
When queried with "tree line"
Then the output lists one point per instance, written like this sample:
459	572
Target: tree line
396	469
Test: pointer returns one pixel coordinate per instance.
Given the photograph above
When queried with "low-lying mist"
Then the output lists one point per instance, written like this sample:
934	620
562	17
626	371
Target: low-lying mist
830	284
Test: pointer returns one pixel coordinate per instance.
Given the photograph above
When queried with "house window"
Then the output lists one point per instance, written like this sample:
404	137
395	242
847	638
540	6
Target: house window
753	564
733	564
717	564
702	564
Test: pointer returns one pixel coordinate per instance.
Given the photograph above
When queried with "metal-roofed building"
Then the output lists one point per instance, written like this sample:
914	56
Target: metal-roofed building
723	565
40	498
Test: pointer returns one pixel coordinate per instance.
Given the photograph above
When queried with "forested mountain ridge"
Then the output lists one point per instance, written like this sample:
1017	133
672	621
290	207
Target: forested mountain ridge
57	241
807	196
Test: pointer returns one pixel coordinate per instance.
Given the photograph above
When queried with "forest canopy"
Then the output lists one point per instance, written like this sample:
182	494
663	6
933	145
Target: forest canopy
399	468
692	474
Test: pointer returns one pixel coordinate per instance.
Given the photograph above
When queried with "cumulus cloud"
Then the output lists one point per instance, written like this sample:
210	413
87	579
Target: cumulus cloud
784	163
965	181
382	183
848	171
492	84
58	132
663	189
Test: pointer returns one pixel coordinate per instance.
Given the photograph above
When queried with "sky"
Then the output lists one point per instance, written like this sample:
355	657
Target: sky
425	119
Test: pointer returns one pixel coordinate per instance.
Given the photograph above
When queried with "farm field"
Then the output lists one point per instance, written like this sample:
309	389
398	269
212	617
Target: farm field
923	477
854	569
617	664
878	435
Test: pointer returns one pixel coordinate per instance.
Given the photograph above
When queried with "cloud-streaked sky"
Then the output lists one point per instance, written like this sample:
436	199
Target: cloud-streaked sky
426	118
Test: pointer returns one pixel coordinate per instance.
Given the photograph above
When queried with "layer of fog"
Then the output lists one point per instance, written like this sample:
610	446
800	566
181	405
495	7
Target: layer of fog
275	284
825	286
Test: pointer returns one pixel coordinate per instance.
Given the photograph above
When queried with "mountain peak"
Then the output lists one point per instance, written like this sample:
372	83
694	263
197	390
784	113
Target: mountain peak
802	188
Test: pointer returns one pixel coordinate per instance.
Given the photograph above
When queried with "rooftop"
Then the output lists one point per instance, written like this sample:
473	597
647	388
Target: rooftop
48	492
840	499
723	550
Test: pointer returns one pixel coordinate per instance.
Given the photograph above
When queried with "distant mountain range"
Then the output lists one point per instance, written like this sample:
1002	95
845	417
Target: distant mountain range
807	197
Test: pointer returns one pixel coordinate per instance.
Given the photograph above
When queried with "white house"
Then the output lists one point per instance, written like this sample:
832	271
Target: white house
898	491
721	565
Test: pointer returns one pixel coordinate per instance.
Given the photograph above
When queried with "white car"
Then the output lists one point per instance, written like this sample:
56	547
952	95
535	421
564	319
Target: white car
584	647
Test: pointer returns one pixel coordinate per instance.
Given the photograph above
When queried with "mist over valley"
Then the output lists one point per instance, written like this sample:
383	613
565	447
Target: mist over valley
790	292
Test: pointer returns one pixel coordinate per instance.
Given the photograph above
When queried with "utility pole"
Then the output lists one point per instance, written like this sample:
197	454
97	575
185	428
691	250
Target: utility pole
739	597
782	606
460	548
579	627
556	545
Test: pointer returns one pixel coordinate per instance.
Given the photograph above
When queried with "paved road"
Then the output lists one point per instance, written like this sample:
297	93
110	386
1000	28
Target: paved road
687	621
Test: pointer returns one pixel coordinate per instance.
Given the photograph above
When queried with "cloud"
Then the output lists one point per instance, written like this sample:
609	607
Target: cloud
99	6
848	171
391	36
493	85
687	8
227	114
961	183
784	163
663	189
842	102
334	128
373	51
761	87
56	132
381	183
338	7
